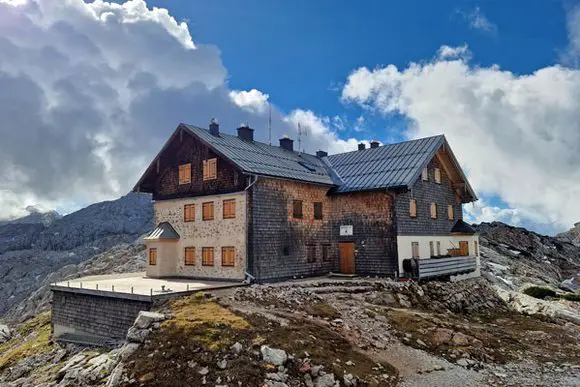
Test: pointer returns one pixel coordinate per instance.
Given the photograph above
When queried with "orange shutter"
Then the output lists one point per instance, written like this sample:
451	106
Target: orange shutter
228	256
189	213
229	208
433	211
450	214
153	256
185	174
413	208
190	256
437	175
207	256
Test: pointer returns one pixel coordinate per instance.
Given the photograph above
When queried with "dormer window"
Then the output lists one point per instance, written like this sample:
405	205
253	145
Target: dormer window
425	174
185	173
210	169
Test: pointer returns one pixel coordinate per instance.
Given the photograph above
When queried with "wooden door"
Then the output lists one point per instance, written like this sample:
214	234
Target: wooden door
346	252
463	248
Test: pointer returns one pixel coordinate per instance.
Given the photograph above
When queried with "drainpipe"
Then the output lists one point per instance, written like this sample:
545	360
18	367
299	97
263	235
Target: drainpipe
249	278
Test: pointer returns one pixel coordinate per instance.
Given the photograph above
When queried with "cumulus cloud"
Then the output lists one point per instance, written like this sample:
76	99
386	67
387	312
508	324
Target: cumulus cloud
571	56
90	90
448	52
477	20
517	136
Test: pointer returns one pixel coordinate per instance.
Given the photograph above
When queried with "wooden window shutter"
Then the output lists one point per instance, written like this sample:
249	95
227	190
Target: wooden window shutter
450	214
189	213
210	169
318	210
433	210
207	256
185	173
229	210
325	253
297	208
189	256
153	256
413	208
228	256
425	174
437	176
311	254
207	211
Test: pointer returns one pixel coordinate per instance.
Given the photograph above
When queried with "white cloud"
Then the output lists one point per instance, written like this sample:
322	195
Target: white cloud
517	136
253	100
572	54
477	20
89	92
447	52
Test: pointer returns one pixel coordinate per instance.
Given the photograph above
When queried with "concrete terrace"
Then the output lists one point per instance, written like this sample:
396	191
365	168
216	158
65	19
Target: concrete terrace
139	287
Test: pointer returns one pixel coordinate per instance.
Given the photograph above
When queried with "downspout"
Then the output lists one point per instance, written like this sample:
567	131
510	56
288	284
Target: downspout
248	277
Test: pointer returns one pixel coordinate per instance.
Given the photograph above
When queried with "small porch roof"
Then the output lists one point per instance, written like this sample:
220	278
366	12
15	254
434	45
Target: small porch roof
461	227
164	230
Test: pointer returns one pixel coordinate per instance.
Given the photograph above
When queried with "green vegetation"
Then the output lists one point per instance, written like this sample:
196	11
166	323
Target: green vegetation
571	297
540	292
33	338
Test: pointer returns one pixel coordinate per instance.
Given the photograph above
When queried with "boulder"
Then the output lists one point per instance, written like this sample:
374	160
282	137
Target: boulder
146	319
460	340
326	380
273	356
5	333
442	336
136	335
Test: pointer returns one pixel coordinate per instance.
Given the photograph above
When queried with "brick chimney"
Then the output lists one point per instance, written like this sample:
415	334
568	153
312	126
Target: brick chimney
374	144
361	146
320	154
245	132
287	143
214	127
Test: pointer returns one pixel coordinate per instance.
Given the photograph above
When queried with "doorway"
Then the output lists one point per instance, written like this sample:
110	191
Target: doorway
346	253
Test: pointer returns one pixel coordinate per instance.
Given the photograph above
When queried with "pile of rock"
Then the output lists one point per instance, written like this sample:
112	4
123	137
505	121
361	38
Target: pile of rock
468	296
5	333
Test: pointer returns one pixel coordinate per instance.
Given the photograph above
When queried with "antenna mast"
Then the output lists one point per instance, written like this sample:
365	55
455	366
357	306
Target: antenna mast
270	125
300	133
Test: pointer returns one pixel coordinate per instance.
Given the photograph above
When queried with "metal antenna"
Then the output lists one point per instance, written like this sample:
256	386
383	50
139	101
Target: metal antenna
270	125
300	133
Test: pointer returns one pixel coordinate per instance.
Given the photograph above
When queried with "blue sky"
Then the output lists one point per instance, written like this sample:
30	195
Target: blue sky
94	88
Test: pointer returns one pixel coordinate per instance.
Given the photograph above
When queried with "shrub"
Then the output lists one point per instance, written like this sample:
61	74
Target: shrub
571	297
540	292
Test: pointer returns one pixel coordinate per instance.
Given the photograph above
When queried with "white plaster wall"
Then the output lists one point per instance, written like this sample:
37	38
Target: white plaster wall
216	233
447	242
166	258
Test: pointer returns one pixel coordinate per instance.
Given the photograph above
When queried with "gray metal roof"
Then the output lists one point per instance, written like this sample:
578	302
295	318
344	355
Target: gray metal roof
388	166
263	159
163	231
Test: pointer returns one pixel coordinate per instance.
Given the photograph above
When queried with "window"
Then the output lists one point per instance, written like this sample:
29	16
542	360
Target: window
189	256
207	213
325	253
153	256
229	208
415	249
311	254
189	213
475	248
437	175
438	248
318	210
210	169
228	256
207	256
425	174
413	208
185	173
431	249
433	211
286	250
297	208
450	214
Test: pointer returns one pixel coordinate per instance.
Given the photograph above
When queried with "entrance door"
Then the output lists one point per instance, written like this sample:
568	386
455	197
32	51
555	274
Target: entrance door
346	252
463	248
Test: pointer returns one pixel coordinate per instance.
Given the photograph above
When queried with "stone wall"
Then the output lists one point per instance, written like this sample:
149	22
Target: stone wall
79	313
216	233
426	192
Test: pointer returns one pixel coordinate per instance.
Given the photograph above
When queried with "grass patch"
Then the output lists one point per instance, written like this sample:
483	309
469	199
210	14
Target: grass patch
33	338
193	311
322	310
571	297
540	292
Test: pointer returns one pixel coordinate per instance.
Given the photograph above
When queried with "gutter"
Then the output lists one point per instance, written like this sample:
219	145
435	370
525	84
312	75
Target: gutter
248	277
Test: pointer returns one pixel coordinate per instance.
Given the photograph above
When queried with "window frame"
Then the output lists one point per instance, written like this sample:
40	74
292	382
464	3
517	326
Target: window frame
209	169
325	251
413	208
438	248
431	249
204	261
450	212
152	257
433	210
425	174
437	175
203	211
297	204
229	250
190	249
413	246
186	212
184	174
311	253
230	204
317	212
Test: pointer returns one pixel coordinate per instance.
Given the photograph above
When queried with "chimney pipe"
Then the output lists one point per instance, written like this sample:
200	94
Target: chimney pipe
320	154
245	132
287	143
374	144
214	127
361	146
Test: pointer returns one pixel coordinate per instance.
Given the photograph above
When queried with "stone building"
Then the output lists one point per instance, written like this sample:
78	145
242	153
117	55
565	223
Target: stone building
229	207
